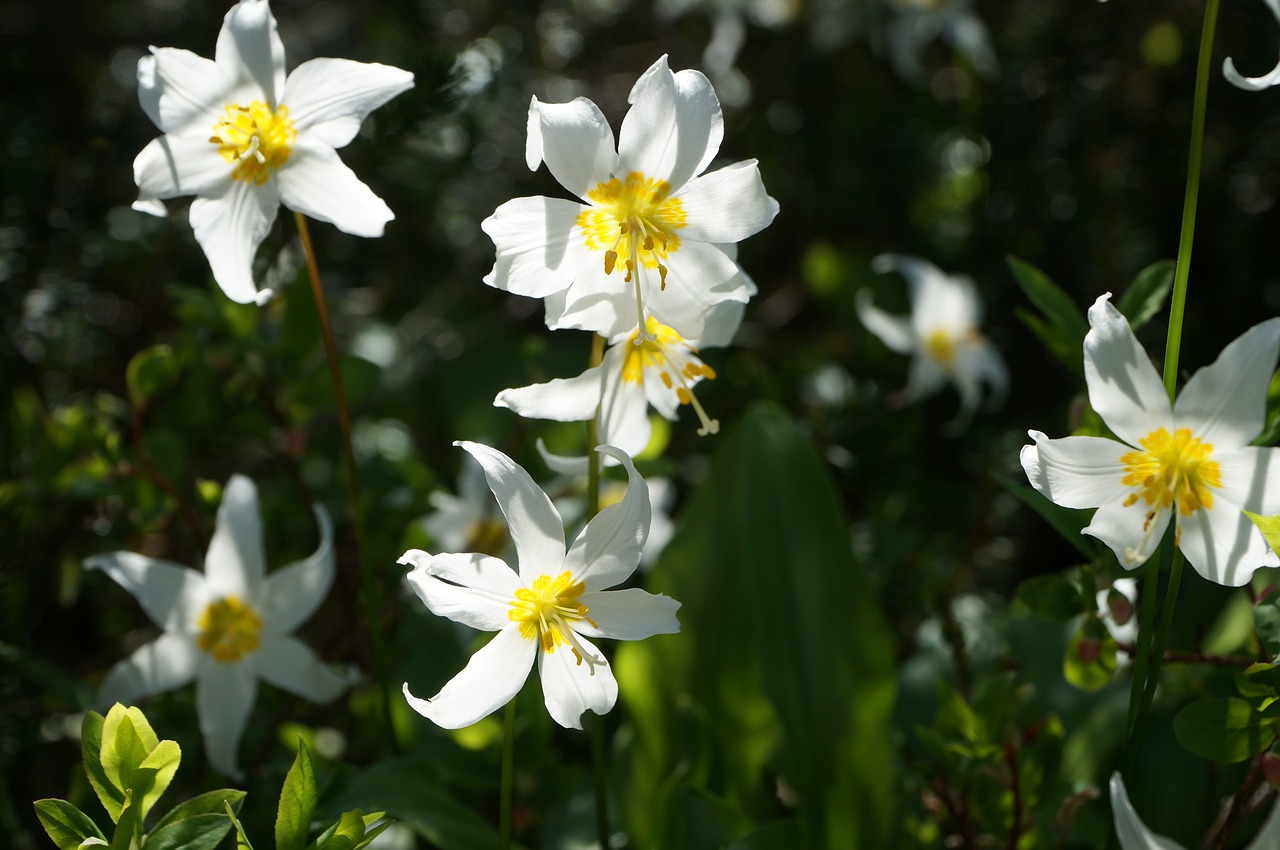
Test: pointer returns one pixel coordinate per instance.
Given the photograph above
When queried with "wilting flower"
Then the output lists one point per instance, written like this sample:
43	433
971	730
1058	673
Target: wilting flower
1253	83
918	22
244	140
941	334
549	608
226	627
1190	460
647	238
1134	835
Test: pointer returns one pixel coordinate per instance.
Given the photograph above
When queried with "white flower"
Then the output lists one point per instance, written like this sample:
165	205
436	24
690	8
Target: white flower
547	610
226	627
1134	835
647	239
1253	83
244	140
941	335
662	495
918	22
1191	460
467	520
1116	606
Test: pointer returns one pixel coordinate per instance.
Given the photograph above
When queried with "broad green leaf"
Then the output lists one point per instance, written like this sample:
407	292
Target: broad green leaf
297	802
163	760
123	752
343	835
197	832
1058	307
209	803
1146	295
373	827
129	828
1090	659
1266	619
1270	528
1224	729
112	798
1052	597
242	840
1066	521
150	372
1260	682
66	825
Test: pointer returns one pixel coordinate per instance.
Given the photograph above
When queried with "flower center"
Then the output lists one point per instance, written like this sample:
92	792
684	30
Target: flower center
942	347
256	139
545	611
1173	470
229	629
664	351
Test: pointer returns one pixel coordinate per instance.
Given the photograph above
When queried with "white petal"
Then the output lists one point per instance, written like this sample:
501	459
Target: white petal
295	591
723	321
1076	472
249	49
536	528
533	136
570	687
1223	544
184	94
236	563
1251	478
1254	83
562	464
1126	530
291	666
576	143
1225	403
1123	385
938	300
171	166
624	410
699	277
224	699
924	378
166	663
562	400
328	99
631	614
473	589
608	549
674	126
594	301
969	35
172	595
894	331
539	246
229	227
1269	835
316	183
727	205
1130	829
491	678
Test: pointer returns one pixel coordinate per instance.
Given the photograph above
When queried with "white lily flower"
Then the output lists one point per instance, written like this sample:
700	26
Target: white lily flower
244	140
1134	835
1190	460
228	626
647	239
662	496
918	22
467	521
941	335
1254	83
548	609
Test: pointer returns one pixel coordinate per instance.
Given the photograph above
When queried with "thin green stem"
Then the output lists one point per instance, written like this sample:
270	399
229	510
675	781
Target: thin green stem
1142	658
599	765
372	603
508	775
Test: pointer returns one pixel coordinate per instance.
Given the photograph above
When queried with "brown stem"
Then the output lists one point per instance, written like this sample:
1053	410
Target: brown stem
1195	657
1220	832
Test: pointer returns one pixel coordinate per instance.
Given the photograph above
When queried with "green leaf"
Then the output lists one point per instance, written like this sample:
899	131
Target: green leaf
297	802
163	760
91	749
1270	528
1261	682
1058	307
372	831
242	840
343	835
1146	295
124	749
66	825
1090	660
197	824
1052	597
128	832
1266	620
1055	341
1066	521
150	372
1224	729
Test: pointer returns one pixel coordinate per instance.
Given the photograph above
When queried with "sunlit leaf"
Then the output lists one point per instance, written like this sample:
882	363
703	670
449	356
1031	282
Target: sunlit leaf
1224	729
66	825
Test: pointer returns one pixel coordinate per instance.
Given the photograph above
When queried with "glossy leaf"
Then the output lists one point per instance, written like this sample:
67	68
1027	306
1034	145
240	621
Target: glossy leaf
66	825
1145	297
1224	729
297	802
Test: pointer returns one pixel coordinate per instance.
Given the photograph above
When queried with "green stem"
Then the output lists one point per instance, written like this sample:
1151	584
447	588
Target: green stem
598	764
508	775
372	603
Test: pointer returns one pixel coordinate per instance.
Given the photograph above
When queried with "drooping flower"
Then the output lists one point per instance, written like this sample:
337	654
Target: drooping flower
548	609
228	626
1191	460
1254	83
941	335
1134	835
648	237
916	23
244	140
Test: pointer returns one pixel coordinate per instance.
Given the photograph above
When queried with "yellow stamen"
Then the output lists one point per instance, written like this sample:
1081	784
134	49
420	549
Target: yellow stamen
942	347
255	138
661	349
1174	470
546	610
229	629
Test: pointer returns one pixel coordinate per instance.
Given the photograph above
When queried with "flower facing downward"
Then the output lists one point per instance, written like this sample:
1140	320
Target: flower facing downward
226	627
1134	835
941	335
1253	83
649	237
1190	461
547	610
244	139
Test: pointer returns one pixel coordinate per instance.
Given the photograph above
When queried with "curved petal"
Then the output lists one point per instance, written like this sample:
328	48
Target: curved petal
570	686
229	227
727	205
184	94
562	464
1254	83
1123	385
894	331
168	662
539	246
1129	530
721	326
491	678
315	182
1251	478
1076	472
700	276
594	301
236	563
172	595
631	614
938	300
1223	544
224	699
1225	403
608	549
624	410
536	528
294	592
674	126
291	666
1130	829
563	399
473	589
170	166
329	99
576	142
249	49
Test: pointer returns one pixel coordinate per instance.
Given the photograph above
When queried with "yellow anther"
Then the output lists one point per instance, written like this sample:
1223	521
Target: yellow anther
1174	470
547	610
256	138
229	629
